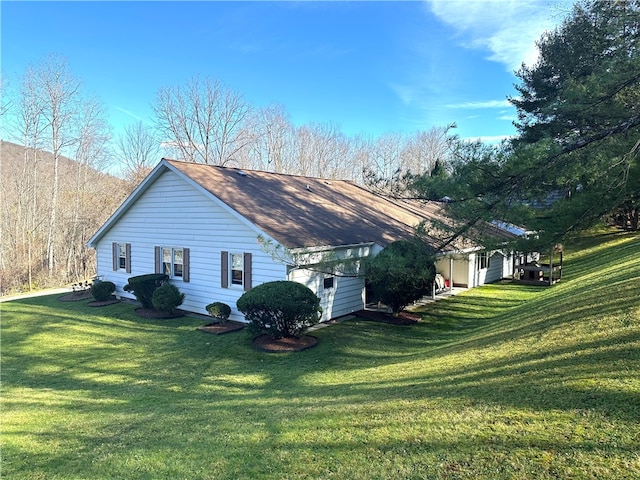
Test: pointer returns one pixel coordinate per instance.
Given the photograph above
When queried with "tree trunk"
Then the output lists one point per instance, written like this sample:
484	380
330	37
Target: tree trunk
53	210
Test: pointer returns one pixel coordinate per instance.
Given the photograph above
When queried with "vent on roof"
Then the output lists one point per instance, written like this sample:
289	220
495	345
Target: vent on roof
241	173
309	187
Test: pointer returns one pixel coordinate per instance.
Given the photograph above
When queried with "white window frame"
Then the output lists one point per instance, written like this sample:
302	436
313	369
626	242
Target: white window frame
169	268
233	282
483	259
122	256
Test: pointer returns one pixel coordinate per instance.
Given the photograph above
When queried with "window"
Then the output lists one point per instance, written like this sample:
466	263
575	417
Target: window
235	270
483	260
121	253
173	262
122	256
328	283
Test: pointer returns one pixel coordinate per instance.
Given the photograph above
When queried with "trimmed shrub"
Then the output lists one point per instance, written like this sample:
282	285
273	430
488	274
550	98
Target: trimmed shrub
220	311
102	291
281	308
167	298
401	274
143	286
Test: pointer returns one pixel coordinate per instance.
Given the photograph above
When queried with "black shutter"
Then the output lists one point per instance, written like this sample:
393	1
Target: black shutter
127	261
158	259
115	254
247	271
185	265
224	269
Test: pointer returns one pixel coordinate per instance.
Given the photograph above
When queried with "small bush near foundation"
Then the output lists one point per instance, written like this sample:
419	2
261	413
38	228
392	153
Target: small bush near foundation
280	309
167	298
220	311
143	286
102	291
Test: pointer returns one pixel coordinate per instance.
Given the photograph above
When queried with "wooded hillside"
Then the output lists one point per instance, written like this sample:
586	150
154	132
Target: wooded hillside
86	198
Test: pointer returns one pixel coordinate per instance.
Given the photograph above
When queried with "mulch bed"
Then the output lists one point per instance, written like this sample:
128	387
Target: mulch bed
152	313
75	296
285	344
220	328
403	318
103	303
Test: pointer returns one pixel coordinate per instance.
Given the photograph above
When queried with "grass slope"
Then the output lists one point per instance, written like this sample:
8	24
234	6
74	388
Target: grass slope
505	381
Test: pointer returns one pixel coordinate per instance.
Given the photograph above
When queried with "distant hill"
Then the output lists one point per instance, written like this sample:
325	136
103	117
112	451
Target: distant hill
28	234
13	154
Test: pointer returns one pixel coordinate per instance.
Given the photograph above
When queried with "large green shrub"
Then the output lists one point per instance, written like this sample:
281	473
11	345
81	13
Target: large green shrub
167	298
220	311
401	274
143	286
281	308
102	291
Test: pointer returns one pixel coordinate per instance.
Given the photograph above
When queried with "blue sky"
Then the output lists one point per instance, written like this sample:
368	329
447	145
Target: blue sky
368	67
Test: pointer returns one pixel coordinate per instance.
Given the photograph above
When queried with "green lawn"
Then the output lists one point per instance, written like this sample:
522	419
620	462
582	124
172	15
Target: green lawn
504	381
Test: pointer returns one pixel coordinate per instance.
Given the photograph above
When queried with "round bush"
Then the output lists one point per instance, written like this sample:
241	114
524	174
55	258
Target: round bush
281	308
143	286
219	311
167	298
102	291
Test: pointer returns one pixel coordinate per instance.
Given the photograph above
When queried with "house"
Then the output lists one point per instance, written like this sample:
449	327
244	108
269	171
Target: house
218	231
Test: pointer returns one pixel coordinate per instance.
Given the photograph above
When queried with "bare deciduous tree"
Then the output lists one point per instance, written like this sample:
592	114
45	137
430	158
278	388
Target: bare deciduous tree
90	154
5	103
48	208
58	92
319	150
272	144
396	158
421	151
202	121
137	150
25	213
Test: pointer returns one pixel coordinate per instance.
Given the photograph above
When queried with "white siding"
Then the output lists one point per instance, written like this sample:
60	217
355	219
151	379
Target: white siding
173	213
348	292
496	268
346	296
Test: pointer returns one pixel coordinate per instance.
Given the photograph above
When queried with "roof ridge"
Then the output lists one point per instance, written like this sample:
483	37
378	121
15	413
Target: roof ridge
253	170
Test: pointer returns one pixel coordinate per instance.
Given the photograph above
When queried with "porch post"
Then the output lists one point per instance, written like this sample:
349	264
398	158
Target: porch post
450	274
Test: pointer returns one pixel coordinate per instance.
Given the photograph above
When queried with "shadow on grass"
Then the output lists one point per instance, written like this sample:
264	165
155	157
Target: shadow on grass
124	397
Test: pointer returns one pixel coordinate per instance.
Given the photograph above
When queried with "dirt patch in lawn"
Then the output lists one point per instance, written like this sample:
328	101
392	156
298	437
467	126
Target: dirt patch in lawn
286	344
403	318
152	313
220	328
75	296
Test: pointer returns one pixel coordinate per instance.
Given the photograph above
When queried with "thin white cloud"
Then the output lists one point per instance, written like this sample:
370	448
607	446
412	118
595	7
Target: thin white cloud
491	139
480	105
508	29
406	93
127	112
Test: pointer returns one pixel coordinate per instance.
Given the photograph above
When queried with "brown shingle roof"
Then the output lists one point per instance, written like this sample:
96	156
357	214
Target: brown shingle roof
302	211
